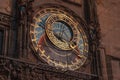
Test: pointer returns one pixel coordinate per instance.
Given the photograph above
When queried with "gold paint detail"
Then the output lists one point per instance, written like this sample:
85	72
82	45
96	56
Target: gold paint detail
61	15
52	19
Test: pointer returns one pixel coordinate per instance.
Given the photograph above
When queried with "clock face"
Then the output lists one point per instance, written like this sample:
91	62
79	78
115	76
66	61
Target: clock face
59	39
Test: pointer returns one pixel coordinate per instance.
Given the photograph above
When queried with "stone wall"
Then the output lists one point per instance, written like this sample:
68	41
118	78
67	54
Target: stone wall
109	19
5	6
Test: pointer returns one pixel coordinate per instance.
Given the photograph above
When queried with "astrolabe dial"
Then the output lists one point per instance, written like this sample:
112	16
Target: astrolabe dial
59	39
61	30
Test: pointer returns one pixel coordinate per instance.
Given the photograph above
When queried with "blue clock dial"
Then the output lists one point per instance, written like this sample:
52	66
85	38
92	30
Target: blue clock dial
40	29
62	31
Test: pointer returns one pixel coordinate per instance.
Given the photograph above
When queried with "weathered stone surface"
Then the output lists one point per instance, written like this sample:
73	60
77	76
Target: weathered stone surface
5	6
109	19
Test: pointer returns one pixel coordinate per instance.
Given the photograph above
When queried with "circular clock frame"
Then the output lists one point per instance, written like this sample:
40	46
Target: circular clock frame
78	26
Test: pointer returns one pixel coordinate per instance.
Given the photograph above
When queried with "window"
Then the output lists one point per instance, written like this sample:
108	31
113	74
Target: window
1	41
113	66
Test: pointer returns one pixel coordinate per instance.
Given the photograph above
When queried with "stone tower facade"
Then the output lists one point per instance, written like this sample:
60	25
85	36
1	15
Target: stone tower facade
19	60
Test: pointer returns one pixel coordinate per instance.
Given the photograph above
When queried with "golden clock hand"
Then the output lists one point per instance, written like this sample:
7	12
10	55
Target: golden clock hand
74	47
76	51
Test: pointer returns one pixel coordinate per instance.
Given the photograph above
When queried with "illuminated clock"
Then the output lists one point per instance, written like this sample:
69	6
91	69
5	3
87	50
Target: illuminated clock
59	39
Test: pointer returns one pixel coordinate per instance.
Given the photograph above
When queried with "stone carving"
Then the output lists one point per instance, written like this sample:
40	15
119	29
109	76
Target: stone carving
13	69
5	19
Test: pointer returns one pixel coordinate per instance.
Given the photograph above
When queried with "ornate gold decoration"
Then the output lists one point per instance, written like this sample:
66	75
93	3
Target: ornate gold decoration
59	39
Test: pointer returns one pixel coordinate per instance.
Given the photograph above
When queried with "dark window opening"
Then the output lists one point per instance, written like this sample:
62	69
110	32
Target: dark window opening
1	41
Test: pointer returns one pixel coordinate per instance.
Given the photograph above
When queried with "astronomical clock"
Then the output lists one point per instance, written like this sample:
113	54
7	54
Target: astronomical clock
58	38
50	40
